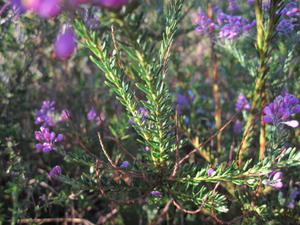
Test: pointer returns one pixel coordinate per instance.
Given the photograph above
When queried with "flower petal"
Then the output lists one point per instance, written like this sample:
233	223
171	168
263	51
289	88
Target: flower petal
291	123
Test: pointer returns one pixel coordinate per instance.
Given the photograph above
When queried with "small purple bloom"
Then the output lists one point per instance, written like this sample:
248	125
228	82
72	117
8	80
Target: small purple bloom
155	192
274	179
292	198
65	115
131	122
242	103
55	171
233	5
92	115
182	100
237	127
210	171
144	112
124	164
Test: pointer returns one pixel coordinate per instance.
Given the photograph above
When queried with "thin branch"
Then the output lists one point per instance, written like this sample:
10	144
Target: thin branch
104	151
204	143
103	219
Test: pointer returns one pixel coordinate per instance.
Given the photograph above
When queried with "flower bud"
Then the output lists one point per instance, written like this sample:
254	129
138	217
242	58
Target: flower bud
65	44
49	8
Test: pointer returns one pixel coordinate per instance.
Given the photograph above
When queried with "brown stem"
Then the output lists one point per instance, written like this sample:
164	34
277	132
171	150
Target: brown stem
215	86
177	164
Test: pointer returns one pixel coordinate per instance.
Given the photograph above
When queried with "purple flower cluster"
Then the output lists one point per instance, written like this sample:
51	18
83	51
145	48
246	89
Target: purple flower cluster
205	24
47	116
289	18
227	26
281	109
233	26
55	171
242	103
47	139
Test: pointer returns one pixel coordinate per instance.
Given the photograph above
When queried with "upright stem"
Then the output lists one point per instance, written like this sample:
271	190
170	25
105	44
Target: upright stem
263	40
215	86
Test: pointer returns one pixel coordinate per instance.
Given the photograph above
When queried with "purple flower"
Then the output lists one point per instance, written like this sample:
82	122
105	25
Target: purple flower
47	139
210	171
182	100
92	115
155	193
205	24
292	198
65	43
274	179
46	114
131	122
65	115
233	5
242	103
233	26
144	112
124	164
237	127
17	6
250	1
281	109
55	171
289	18
49	8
